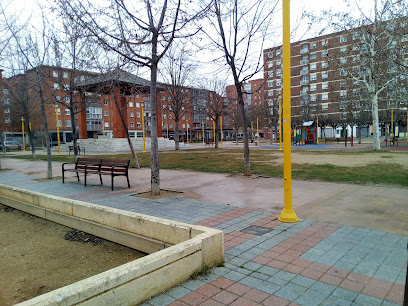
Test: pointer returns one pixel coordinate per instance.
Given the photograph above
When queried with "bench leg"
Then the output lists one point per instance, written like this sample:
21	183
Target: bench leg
77	176
112	182
100	178
63	177
85	179
127	177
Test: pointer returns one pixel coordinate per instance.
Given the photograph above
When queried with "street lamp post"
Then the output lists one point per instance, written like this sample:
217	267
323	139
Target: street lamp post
103	129
392	121
257	130
203	130
317	129
221	129
143	128
187	129
280	122
58	135
22	129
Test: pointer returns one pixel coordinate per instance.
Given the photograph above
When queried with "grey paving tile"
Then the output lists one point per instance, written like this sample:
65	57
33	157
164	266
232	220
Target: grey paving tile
306	300
251	281
268	270
303	281
268	287
286	294
277	281
287	276
193	284
363	299
259	275
252	266
323	287
296	288
345	294
162	299
333	300
234	276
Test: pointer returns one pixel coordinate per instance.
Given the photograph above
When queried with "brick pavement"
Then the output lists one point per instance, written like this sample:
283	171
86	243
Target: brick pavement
267	262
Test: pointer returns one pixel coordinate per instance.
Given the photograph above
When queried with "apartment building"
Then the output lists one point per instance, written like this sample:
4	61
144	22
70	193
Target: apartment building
324	71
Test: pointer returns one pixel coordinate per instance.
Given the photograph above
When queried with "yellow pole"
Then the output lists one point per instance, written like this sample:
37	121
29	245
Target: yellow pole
143	129
407	125
214	131
58	136
257	130
288	214
103	129
317	127
203	130
221	129
22	129
392	121
280	123
187	129
29	126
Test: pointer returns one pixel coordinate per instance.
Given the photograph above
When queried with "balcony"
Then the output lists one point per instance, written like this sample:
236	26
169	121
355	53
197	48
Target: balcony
304	50
94	127
304	61
304	71
304	92
304	82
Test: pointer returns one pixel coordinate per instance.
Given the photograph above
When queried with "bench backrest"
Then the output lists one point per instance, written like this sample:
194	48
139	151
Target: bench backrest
121	165
90	163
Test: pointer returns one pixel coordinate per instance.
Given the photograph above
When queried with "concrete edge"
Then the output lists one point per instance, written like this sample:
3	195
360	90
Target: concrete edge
197	247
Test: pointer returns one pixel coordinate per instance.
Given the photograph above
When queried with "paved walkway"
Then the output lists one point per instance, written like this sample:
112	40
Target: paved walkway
310	262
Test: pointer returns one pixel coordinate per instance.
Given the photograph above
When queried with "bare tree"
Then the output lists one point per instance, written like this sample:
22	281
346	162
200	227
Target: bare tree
240	26
176	72
141	37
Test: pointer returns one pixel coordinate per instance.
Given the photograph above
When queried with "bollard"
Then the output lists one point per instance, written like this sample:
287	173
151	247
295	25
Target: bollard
406	286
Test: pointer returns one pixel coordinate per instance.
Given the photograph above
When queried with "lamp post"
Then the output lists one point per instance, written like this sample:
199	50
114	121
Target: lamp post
317	129
221	129
288	214
143	128
187	129
103	129
257	130
280	122
22	129
31	140
58	135
214	131
392	121
252	131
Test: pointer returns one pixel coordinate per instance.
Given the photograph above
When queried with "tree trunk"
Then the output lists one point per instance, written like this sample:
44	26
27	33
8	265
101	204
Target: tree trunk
236	137
376	124
359	133
247	169
154	153
217	131
46	131
177	134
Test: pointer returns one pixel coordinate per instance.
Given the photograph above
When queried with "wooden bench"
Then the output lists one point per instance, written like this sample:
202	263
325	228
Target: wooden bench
71	148
82	165
112	167
392	141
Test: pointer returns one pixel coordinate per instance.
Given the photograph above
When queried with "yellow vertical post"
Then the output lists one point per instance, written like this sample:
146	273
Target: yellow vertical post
392	121
22	129
221	129
187	129
29	126
58	136
214	131
317	129
143	129
407	125
280	122
203	130
288	214
103	129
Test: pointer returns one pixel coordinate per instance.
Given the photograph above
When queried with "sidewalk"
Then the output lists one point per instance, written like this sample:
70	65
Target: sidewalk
310	262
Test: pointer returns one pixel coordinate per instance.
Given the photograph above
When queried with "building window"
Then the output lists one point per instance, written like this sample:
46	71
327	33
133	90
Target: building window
184	126
270	83
313	66
325	75
270	93
137	115
313	56
59	123
270	54
65	75
356	58
7	120
313	77
55	74
279	82
278	52
343	39
106	124
270	74
325	96
164	116
343	93
66	87
313	46
313	87
356	92
56	86
343	116
67	99
343	50
343	83
130	104
325	65
313	98
6	110
67	111
59	111
325	85
278	72
325	42
270	64
6	101
355	36
343	60
343	72
106	113
325	53
279	63
132	124
57	98
5	91
131	114
68	123
138	124
137	104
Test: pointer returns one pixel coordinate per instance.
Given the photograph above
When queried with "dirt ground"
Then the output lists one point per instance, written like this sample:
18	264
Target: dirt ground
35	257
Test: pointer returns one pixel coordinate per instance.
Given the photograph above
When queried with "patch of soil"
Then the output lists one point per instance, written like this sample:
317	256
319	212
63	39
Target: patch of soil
163	193
35	258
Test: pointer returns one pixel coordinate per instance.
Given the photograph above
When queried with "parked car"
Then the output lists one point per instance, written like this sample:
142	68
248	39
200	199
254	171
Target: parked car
11	145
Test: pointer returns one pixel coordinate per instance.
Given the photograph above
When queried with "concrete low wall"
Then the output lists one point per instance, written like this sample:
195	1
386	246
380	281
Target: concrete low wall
180	249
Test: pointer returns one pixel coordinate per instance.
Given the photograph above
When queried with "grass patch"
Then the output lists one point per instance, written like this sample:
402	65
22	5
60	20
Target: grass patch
262	163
